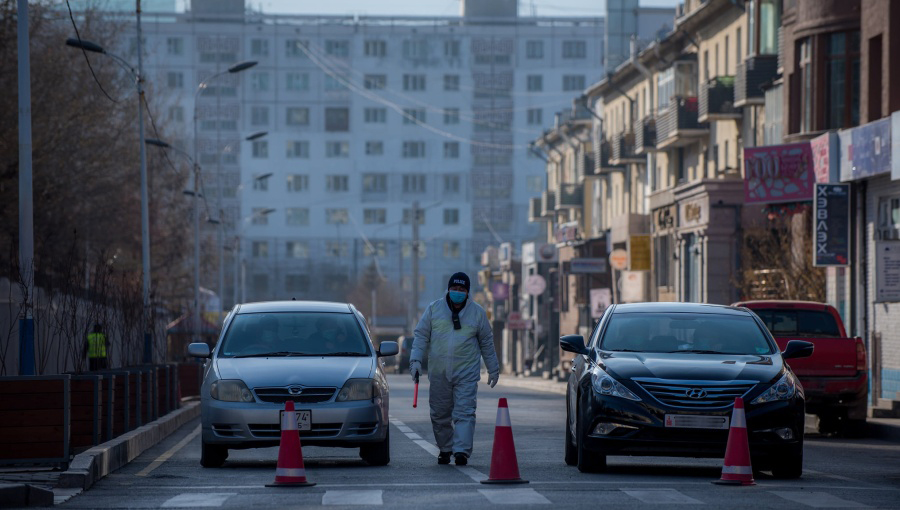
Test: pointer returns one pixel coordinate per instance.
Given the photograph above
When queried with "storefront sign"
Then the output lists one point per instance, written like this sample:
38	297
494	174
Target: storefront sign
831	210
895	146
695	212
534	285
779	173
631	286
515	321
533	252
869	150
500	291
600	301
887	267
825	151
618	259
665	218
567	232
587	265
639	253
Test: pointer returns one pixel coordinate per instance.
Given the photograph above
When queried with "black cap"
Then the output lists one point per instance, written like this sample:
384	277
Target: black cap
459	279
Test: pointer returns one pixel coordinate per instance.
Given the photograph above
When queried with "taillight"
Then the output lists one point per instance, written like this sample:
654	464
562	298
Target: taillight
860	356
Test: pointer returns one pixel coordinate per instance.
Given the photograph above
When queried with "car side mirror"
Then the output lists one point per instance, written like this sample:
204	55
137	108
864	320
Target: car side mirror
198	350
388	348
797	349
573	343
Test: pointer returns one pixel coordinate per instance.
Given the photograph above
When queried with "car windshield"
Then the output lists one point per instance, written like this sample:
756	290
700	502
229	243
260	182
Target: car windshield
685	332
294	334
799	323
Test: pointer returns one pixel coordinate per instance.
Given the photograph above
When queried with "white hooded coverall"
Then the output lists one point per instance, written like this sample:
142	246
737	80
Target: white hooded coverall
454	369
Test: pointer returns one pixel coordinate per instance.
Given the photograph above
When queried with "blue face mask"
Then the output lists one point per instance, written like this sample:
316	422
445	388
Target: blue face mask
457	296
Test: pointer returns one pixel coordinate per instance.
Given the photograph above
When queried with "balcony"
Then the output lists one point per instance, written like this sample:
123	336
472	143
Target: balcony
623	150
645	135
677	124
717	100
534	210
569	196
751	75
548	204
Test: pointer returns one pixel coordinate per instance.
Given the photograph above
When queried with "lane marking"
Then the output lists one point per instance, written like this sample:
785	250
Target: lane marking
514	497
404	428
817	499
191	499
472	473
469	471
352	498
836	477
414	436
635	483
428	447
662	496
171	451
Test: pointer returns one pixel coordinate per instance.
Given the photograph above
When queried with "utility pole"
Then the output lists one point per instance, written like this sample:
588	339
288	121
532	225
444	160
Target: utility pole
145	209
415	262
26	202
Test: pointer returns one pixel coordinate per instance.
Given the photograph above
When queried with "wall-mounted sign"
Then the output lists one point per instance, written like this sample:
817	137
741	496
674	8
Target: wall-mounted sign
665	218
866	150
567	232
887	267
500	291
778	173
694	212
534	285
639	253
600	301
618	259
587	265
824	151
632	286
831	210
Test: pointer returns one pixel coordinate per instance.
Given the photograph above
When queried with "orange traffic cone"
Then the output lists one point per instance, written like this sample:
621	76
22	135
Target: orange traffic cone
290	471
504	465
736	469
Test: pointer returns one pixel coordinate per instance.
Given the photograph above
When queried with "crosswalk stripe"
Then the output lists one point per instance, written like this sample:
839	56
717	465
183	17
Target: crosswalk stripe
514	497
817	499
195	499
352	498
662	496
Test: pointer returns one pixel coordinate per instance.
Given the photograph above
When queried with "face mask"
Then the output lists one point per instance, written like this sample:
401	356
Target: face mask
457	296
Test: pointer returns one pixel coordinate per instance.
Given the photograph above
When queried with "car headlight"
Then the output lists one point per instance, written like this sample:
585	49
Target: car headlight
604	384
356	389
231	390
784	389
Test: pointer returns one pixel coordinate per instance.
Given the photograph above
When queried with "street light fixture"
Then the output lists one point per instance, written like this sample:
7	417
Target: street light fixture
145	212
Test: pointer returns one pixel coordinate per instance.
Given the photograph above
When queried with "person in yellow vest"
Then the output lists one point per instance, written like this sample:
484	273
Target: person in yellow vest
97	349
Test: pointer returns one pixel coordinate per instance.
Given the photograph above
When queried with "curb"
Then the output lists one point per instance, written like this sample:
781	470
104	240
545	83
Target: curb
14	495
92	465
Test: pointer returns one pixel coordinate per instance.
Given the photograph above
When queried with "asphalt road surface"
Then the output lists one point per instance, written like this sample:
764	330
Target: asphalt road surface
839	473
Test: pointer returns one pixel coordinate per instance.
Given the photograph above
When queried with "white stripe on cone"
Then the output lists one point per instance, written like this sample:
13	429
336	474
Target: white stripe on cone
503	417
737	470
738	418
296	472
288	420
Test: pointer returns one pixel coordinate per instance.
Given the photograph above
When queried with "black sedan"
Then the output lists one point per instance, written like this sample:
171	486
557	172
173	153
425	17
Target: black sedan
661	379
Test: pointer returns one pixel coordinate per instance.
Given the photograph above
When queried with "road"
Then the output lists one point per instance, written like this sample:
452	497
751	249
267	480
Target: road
839	473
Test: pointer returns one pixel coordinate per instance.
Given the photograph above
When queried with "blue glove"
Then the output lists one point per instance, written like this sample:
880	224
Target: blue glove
493	378
415	369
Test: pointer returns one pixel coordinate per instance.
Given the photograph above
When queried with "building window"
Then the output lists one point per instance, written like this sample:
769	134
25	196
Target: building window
413	149
297	149
339	48
415	49
336	249
374	183
574	49
413	115
407	218
374	148
261	184
406	281
297	116
337	119
451	49
296	282
534	83
337	183
175	80
451	82
406	250
534	183
451	115
375	248
297	82
573	82
888	219
260	249
334	84
451	184
259	82
451	216
337	149
336	216
534	50
805	69
295	48
451	150
451	250
374	216
175	46
259	47
297	216
842	80
297	250
176	113
414	183
297	183
414	82
259	115
375	81
375	115
260	149
535	116
375	48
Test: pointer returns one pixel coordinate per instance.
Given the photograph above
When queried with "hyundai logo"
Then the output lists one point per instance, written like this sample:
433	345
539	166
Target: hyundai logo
295	390
695	393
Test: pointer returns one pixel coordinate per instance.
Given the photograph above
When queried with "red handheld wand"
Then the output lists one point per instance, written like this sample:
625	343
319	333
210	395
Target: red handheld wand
416	394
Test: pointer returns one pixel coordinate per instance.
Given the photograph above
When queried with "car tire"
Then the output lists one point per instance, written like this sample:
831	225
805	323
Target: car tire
377	454
571	450
586	460
212	456
788	466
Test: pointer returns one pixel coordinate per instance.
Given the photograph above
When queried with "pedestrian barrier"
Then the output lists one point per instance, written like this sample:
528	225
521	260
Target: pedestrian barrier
86	411
290	471
190	375
34	419
736	469
504	464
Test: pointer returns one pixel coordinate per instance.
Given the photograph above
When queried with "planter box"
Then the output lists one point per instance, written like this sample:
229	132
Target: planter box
34	419
86	411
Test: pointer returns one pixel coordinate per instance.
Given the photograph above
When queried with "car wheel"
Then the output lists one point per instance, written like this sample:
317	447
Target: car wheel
571	451
377	454
788	466
212	456
587	461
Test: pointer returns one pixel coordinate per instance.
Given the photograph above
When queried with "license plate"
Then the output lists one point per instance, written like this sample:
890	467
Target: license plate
694	421
304	419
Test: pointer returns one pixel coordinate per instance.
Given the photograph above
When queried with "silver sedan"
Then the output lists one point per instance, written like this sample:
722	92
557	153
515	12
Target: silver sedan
317	354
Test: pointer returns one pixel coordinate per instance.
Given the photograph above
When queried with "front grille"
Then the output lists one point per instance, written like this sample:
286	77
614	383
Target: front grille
706	395
282	395
266	430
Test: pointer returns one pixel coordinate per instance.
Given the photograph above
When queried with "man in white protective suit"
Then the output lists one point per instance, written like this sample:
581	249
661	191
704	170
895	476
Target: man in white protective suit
454	333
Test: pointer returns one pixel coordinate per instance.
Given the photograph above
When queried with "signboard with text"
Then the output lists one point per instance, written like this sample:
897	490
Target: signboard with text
831	211
587	265
887	267
866	150
600	301
779	173
639	253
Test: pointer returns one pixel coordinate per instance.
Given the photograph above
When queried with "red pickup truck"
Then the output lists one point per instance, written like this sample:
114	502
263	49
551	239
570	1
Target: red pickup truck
835	377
